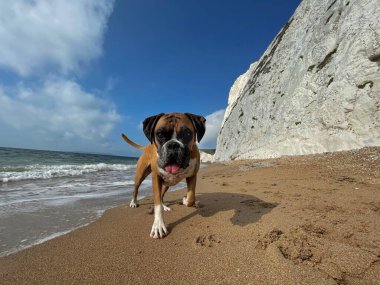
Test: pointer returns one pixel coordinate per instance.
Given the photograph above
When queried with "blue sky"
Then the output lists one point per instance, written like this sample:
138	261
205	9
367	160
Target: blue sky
75	74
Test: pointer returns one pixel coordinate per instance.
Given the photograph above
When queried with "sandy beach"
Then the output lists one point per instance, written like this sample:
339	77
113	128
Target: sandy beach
294	220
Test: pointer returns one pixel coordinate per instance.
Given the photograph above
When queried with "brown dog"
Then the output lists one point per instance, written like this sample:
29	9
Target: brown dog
172	156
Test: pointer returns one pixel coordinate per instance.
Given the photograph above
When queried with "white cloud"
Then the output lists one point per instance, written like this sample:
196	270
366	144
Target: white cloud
43	37
61	34
213	124
59	110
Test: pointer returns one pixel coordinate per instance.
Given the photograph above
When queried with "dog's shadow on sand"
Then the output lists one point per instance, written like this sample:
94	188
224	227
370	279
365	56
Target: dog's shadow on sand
247	209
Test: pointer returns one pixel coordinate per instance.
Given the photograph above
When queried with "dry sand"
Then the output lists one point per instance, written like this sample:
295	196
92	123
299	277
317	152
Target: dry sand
295	220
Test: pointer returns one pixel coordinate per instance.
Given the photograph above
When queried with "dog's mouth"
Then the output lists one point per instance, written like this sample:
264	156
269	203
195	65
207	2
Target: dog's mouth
172	168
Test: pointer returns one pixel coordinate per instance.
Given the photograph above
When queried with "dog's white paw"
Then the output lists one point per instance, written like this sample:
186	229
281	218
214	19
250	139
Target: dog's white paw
158	230
185	202
133	204
166	208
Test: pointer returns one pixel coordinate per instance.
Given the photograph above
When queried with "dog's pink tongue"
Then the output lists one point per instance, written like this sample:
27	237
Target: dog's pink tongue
172	168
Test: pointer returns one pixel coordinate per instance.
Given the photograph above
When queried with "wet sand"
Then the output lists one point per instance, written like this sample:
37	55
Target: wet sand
294	220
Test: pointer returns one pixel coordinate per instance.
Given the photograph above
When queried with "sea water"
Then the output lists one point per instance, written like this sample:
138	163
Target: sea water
44	194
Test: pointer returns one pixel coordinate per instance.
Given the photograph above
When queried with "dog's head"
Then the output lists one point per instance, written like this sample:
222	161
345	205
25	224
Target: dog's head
174	135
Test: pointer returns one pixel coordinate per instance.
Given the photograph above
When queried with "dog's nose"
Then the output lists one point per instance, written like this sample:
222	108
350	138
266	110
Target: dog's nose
172	145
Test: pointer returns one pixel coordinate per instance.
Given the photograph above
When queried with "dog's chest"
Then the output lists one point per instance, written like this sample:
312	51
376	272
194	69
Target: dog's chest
173	179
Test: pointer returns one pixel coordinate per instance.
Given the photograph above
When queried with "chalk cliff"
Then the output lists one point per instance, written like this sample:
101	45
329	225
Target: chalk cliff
205	157
315	89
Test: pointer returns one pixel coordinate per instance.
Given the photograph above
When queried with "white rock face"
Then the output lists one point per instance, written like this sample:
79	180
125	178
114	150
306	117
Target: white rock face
237	90
206	157
315	89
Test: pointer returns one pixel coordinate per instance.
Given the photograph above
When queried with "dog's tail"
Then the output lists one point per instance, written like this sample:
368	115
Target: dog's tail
128	141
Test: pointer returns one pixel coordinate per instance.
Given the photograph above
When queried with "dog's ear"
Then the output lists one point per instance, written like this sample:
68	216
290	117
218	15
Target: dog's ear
199	124
149	124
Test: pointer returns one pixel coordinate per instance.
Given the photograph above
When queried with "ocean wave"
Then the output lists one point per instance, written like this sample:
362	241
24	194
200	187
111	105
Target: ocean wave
32	172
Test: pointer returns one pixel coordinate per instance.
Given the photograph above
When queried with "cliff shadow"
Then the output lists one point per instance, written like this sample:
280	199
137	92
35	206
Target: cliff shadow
247	209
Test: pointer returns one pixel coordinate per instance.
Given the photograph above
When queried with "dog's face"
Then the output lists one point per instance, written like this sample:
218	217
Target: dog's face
174	135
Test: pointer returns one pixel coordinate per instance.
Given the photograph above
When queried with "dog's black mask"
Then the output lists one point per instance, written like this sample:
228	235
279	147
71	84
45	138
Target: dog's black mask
174	137
173	148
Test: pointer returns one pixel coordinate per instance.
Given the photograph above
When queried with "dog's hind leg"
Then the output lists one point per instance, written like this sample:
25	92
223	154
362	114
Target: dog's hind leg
142	171
163	191
189	200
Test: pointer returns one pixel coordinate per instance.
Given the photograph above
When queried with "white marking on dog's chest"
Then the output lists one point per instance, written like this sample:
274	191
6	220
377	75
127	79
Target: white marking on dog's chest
173	179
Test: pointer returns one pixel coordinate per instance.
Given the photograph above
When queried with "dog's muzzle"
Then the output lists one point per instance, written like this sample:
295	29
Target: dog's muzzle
173	156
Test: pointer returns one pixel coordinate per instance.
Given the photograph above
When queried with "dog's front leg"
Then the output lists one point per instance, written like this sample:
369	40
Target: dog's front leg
158	229
189	200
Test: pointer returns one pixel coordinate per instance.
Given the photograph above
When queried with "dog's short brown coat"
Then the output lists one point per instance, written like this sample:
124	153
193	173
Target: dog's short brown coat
147	163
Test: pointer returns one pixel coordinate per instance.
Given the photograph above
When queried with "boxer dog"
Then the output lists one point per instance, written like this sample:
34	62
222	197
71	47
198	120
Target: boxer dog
171	156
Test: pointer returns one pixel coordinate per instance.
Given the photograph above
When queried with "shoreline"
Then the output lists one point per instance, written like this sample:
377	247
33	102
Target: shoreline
40	241
53	235
293	220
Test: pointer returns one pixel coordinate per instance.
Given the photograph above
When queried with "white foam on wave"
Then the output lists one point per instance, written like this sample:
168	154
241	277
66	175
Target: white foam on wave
62	200
32	172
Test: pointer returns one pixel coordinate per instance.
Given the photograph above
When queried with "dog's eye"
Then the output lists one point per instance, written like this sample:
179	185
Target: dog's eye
161	135
186	135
